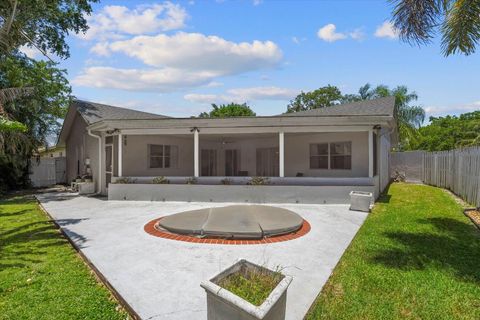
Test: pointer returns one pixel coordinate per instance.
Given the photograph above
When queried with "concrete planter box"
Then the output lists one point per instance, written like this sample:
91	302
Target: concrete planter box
233	193
222	304
360	200
86	187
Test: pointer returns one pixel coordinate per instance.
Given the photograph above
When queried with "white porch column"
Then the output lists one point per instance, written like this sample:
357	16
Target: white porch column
196	160
370	153
120	154
281	153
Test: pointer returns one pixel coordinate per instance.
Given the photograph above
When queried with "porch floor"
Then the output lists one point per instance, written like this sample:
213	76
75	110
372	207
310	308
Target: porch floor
160	278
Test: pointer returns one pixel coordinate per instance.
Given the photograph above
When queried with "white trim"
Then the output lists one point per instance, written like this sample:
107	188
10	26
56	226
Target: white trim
99	139
196	161
370	153
120	154
281	153
232	130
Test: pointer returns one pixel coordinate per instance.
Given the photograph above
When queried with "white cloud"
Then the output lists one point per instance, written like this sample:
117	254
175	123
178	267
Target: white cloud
204	98
156	80
263	93
298	40
195	51
114	22
31	52
386	30
328	33
214	84
179	61
257	2
357	34
101	49
452	109
240	95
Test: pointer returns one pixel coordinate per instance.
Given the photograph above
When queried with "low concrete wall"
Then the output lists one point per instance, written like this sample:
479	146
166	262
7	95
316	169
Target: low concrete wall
235	193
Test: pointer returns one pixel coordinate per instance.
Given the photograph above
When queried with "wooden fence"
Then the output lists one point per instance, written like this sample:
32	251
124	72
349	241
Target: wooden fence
456	170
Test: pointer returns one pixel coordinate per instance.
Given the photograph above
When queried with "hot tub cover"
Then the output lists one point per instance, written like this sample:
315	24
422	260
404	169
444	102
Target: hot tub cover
234	222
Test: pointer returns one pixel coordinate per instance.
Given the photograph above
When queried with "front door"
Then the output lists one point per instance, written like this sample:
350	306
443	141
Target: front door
108	164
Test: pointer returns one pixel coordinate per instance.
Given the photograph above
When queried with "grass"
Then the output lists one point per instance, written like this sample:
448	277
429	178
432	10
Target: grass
41	276
253	286
416	257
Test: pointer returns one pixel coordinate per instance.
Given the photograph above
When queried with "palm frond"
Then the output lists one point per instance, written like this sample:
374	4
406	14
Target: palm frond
461	28
416	19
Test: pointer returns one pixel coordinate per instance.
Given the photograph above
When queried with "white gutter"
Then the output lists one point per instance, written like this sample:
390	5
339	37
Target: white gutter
99	160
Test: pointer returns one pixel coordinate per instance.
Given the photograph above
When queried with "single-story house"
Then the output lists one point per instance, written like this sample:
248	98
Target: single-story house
310	156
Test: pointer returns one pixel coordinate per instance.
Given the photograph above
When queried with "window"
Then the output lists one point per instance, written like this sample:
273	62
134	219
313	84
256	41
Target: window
341	155
162	156
319	156
335	155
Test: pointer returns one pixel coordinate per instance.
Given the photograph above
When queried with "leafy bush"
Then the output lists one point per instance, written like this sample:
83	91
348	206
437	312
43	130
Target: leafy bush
160	180
259	181
192	180
125	180
226	181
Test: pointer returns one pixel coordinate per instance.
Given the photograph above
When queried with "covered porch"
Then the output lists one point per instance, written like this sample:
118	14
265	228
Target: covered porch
321	165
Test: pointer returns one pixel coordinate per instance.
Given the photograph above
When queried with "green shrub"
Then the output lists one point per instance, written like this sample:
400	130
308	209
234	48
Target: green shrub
160	180
192	180
259	181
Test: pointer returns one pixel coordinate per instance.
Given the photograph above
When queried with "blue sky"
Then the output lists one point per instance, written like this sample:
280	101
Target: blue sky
176	58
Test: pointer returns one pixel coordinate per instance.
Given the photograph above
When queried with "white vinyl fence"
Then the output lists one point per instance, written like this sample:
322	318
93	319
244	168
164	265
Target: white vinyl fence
47	171
456	170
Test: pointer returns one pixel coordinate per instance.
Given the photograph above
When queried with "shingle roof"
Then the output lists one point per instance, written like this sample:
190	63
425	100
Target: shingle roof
94	112
376	107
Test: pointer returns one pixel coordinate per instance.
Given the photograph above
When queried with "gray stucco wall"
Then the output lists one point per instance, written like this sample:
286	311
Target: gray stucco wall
297	154
79	146
135	155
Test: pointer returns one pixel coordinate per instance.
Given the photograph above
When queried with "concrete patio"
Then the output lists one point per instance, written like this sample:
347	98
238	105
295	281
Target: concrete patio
160	278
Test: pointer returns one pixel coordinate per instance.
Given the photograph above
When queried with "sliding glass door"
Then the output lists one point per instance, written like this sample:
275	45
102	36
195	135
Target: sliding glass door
267	162
209	162
232	162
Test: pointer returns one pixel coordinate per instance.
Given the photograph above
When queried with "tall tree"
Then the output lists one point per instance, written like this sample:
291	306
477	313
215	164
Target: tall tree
320	98
38	113
41	23
228	110
457	20
449	132
33	95
409	117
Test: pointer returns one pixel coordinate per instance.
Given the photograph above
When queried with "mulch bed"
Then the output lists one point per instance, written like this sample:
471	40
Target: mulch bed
474	215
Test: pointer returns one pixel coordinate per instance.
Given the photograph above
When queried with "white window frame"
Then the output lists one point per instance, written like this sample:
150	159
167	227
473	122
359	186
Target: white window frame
318	155
173	158
329	155
339	155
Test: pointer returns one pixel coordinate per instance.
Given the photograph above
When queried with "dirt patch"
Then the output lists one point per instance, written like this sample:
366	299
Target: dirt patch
474	215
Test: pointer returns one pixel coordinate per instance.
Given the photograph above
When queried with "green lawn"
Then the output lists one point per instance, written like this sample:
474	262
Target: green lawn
41	276
416	257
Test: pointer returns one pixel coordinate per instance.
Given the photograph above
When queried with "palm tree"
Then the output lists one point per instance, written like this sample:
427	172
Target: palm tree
457	20
409	118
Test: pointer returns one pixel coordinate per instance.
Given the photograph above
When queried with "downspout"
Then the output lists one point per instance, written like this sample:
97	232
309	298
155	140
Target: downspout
99	138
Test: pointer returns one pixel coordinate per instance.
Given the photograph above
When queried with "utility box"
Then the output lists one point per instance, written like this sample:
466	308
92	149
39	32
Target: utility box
360	200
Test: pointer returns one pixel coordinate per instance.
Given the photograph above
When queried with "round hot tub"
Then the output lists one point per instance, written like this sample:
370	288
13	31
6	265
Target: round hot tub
233	222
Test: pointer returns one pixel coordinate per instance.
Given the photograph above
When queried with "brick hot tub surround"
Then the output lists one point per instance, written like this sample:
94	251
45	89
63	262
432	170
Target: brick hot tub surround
153	229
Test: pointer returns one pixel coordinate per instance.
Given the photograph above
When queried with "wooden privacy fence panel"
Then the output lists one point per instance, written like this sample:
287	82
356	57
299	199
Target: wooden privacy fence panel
457	170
